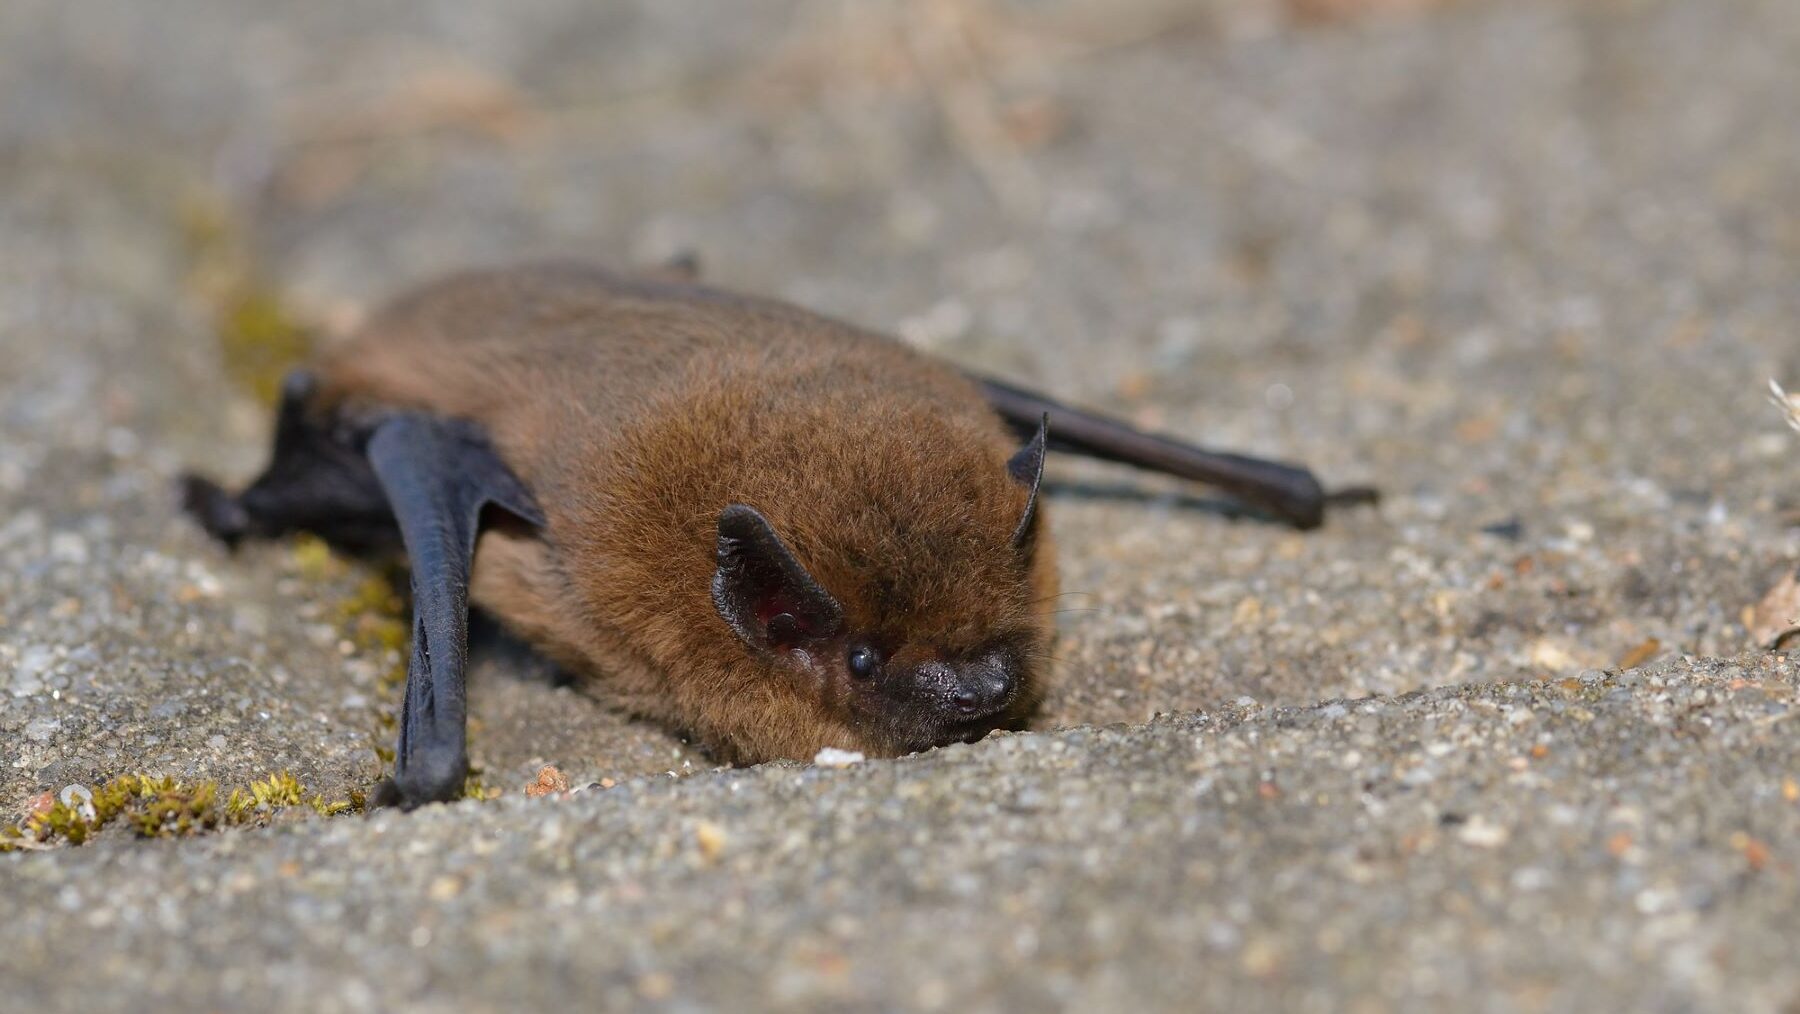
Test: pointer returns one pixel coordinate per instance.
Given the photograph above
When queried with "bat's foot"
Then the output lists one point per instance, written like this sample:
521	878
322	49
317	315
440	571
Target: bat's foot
388	794
220	513
422	782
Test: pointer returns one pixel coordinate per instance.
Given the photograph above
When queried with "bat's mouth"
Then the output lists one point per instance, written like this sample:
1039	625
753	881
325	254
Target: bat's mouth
948	730
915	732
972	730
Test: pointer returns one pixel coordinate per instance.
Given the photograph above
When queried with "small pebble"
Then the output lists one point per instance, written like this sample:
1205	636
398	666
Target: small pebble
1482	834
78	798
710	838
832	757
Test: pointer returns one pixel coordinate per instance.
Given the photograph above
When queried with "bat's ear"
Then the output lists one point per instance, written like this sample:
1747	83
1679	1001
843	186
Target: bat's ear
762	592
1026	466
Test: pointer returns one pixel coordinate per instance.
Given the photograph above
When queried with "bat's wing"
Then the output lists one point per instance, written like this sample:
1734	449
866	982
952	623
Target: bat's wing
438	476
355	483
1288	492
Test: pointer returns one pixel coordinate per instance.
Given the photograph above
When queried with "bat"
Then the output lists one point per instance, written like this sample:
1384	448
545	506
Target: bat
769	530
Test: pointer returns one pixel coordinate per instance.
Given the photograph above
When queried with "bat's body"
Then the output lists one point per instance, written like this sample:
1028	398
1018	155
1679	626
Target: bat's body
771	530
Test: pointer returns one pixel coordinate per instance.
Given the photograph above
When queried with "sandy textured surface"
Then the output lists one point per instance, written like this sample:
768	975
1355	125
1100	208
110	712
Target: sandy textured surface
1526	266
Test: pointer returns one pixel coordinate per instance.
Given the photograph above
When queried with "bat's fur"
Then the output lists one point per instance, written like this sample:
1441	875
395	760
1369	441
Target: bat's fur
636	409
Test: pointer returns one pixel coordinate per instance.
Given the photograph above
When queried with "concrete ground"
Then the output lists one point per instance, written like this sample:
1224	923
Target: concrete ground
1503	742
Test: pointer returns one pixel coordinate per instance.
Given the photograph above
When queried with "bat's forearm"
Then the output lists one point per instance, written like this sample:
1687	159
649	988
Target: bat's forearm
1288	492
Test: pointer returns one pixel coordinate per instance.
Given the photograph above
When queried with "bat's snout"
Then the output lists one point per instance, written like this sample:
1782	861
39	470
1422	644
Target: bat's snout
982	691
970	690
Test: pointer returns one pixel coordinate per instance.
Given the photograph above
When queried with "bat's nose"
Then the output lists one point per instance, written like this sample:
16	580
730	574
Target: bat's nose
983	690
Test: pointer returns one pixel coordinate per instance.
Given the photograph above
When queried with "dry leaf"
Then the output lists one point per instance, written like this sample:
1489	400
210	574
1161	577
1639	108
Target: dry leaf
1777	616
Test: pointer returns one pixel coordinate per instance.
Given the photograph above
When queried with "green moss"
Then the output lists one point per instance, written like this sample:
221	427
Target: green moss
156	807
260	339
276	791
474	789
147	801
313	559
61	820
332	807
375	619
177	812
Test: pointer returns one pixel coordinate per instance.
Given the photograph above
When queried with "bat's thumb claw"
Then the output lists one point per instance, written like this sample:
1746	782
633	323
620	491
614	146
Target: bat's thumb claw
217	511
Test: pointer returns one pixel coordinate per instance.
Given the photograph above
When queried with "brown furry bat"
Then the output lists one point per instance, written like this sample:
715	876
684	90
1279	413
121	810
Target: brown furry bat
769	529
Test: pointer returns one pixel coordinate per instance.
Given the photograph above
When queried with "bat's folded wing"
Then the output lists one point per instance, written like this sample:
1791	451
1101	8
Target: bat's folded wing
439	476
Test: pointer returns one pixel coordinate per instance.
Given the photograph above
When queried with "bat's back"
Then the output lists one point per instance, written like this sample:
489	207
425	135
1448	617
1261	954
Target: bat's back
554	359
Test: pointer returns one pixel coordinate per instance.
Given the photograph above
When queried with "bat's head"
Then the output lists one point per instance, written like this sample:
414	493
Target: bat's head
914	616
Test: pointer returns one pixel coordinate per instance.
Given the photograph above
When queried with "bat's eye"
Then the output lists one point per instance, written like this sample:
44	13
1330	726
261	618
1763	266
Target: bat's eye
863	661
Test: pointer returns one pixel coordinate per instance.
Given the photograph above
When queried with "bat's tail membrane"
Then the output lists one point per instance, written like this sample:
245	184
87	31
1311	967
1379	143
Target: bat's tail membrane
1288	492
